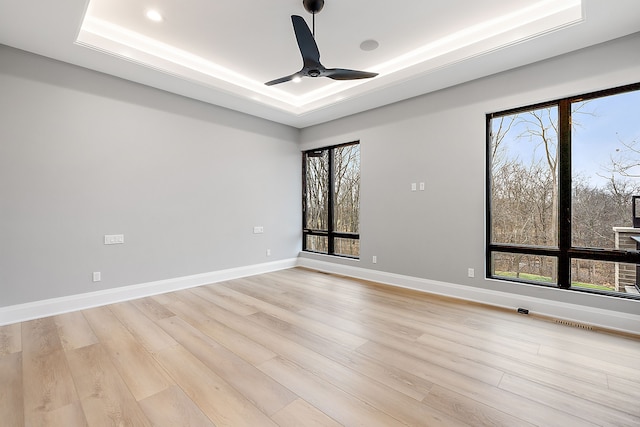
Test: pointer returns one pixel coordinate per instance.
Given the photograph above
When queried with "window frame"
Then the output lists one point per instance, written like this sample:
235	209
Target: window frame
564	252
330	233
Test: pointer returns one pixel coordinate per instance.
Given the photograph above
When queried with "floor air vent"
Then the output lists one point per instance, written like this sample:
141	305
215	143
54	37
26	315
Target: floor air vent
573	324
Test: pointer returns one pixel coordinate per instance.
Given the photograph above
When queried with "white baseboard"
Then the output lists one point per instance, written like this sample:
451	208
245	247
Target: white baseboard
53	306
606	319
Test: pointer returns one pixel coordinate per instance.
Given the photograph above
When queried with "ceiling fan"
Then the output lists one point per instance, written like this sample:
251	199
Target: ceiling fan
311	55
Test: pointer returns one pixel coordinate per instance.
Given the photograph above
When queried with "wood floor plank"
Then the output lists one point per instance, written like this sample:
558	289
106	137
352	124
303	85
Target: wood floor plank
439	326
152	308
164	300
596	412
481	391
69	415
138	369
335	335
582	341
396	379
524	364
620	365
40	337
173	408
223	404
145	331
403	382
352	321
257	288
301	413
267	395
329	399
470	410
437	359
47	382
105	398
10	339
11	390
229	303
74	331
193	309
624	385
294	333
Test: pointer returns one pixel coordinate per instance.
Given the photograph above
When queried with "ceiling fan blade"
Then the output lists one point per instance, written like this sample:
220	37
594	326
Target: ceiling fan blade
344	74
282	79
311	58
306	42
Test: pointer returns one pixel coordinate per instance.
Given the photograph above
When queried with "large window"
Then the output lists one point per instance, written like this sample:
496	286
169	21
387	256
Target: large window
562	182
331	200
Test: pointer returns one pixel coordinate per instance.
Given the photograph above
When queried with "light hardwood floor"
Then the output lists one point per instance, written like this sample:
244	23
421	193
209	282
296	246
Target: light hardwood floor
300	348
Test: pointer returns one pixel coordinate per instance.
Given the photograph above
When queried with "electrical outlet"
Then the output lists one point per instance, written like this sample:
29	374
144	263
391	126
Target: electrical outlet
268	252
422	186
258	230
471	272
374	259
97	276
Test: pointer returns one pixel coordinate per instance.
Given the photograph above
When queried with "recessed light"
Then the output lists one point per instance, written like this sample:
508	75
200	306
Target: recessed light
154	15
369	45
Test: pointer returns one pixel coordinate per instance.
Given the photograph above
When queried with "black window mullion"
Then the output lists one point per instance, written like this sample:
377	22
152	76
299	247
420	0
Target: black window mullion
488	256
564	193
330	201
304	201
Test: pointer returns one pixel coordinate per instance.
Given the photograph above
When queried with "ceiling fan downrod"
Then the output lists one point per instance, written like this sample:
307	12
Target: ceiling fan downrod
313	7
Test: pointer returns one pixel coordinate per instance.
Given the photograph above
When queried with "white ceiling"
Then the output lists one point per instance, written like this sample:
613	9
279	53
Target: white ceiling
222	51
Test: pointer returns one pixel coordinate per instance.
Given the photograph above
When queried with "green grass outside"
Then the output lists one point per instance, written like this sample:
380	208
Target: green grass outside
545	279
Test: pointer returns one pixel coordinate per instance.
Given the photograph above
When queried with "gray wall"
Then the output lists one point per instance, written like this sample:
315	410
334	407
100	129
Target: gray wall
439	139
83	154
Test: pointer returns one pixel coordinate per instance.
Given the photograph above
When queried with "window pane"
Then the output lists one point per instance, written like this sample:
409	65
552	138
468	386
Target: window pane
331	200
348	247
317	244
605	163
604	276
532	268
347	188
317	190
524	178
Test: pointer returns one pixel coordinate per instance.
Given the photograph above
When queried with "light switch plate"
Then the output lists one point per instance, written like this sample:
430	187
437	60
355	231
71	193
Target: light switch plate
113	239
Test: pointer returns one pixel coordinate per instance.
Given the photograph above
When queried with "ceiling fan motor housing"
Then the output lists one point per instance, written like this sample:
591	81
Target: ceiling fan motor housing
313	6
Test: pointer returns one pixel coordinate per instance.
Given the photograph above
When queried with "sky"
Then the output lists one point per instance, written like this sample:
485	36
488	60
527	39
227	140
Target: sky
596	135
616	118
